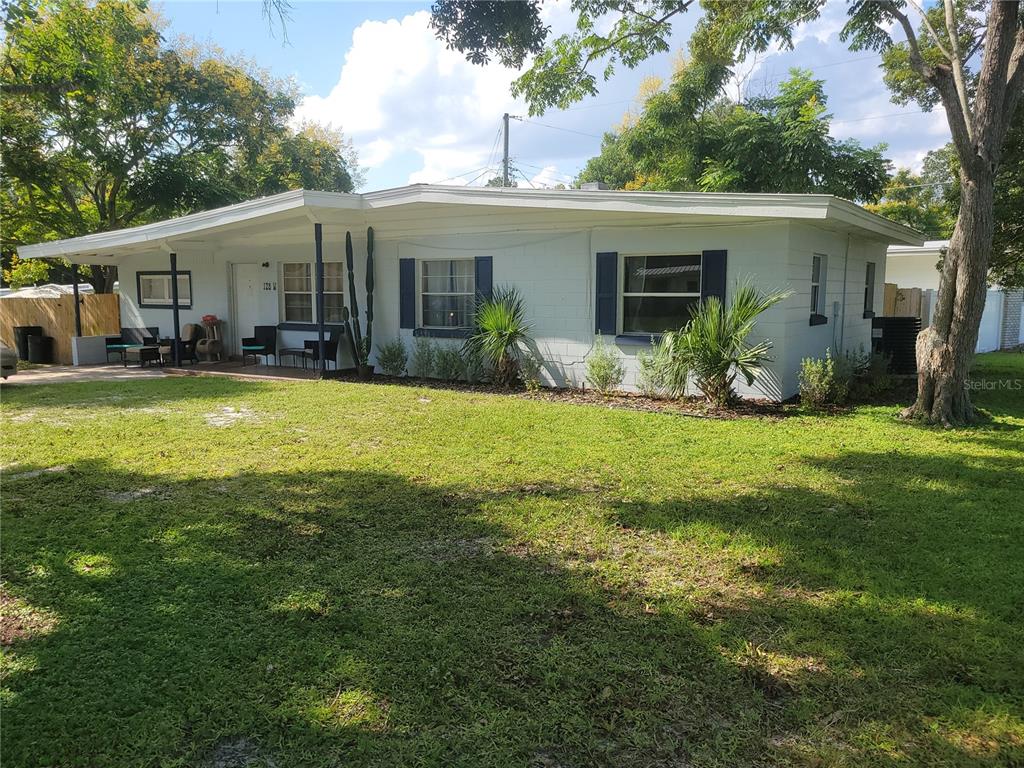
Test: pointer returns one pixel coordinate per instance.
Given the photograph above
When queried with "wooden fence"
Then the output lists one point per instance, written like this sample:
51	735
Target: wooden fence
906	302
101	316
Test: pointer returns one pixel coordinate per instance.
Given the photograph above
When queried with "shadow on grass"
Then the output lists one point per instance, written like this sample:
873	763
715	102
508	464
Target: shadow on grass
911	581
367	619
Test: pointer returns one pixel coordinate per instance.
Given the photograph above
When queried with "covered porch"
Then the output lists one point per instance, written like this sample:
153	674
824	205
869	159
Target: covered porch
261	282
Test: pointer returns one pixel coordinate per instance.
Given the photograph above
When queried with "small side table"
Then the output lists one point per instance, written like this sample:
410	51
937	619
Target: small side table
299	352
141	355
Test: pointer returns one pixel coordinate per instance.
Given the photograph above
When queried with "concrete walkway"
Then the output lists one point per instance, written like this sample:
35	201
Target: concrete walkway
57	374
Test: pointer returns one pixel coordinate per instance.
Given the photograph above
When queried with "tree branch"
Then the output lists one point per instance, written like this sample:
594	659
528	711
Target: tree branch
916	59
1014	78
958	66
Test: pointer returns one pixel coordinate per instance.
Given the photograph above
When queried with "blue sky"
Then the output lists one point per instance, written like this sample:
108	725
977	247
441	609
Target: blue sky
418	113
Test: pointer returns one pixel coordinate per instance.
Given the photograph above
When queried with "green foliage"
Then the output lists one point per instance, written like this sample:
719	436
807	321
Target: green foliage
650	376
713	345
104	125
424	357
392	357
604	368
820	384
501	333
660	373
23	272
477	29
474	367
690	137
448	365
911	200
532	369
854	376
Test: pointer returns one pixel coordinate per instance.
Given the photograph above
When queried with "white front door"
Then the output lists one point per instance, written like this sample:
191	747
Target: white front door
248	300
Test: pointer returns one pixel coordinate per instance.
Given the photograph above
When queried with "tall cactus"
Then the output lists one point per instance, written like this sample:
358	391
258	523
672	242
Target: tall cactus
369	291
357	336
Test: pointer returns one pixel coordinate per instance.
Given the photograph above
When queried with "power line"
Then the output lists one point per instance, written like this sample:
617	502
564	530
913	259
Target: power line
463	173
555	127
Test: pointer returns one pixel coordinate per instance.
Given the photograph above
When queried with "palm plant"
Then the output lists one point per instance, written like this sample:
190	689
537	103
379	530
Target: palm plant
501	333
713	345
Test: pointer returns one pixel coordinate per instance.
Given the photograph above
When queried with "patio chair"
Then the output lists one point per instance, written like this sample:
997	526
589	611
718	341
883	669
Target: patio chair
130	338
191	334
263	343
330	347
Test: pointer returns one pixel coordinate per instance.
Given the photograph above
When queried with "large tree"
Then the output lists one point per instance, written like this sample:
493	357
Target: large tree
105	125
689	136
967	57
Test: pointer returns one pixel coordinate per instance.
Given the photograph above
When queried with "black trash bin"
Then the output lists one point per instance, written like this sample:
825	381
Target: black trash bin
21	335
40	349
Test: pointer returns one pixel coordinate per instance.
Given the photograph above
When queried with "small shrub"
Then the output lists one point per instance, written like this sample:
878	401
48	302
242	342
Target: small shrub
448	364
713	344
393	357
650	375
501	333
604	369
824	381
531	368
474	367
871	376
424	357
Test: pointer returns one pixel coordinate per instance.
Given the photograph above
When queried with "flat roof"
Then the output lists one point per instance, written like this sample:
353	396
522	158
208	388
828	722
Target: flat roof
319	205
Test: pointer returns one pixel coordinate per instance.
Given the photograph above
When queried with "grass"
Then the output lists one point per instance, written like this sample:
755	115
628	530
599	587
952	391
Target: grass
218	572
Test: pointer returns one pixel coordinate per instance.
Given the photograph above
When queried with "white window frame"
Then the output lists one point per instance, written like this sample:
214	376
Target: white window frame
623	293
164	276
420	293
312	282
818	303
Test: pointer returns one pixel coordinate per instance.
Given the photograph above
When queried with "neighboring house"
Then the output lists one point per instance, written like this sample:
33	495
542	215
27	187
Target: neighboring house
623	264
918	267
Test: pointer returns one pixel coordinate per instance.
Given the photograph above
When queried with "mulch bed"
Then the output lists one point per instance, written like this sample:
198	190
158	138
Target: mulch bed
690	406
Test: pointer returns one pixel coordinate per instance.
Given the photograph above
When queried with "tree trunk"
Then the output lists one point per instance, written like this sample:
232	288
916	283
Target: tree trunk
103	278
946	348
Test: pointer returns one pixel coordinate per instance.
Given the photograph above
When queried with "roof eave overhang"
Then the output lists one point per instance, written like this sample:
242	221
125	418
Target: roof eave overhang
109	247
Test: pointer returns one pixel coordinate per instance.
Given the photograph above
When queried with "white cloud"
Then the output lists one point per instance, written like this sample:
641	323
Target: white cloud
400	91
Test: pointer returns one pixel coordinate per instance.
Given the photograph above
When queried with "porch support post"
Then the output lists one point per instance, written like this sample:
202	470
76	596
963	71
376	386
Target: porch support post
78	304
318	237
174	309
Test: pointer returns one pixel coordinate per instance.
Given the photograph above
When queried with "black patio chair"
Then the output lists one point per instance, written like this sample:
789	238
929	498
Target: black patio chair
330	347
262	343
191	334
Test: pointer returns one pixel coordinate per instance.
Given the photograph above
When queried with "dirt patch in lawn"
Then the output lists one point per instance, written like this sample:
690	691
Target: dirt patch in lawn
228	416
19	620
123	497
34	472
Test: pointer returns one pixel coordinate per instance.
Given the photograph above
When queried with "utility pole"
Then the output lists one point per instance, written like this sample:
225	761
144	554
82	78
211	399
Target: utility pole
504	174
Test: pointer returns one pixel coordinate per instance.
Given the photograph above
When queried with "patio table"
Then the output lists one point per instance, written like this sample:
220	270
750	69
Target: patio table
121	348
294	352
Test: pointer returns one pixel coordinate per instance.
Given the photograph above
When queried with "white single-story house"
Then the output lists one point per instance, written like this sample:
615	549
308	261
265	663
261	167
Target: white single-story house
625	265
911	266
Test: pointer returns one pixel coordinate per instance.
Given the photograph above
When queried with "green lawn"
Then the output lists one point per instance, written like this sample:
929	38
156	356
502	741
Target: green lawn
218	573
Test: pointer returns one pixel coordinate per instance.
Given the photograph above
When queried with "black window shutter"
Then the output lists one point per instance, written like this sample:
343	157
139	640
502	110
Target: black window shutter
712	275
407	293
607	293
485	277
